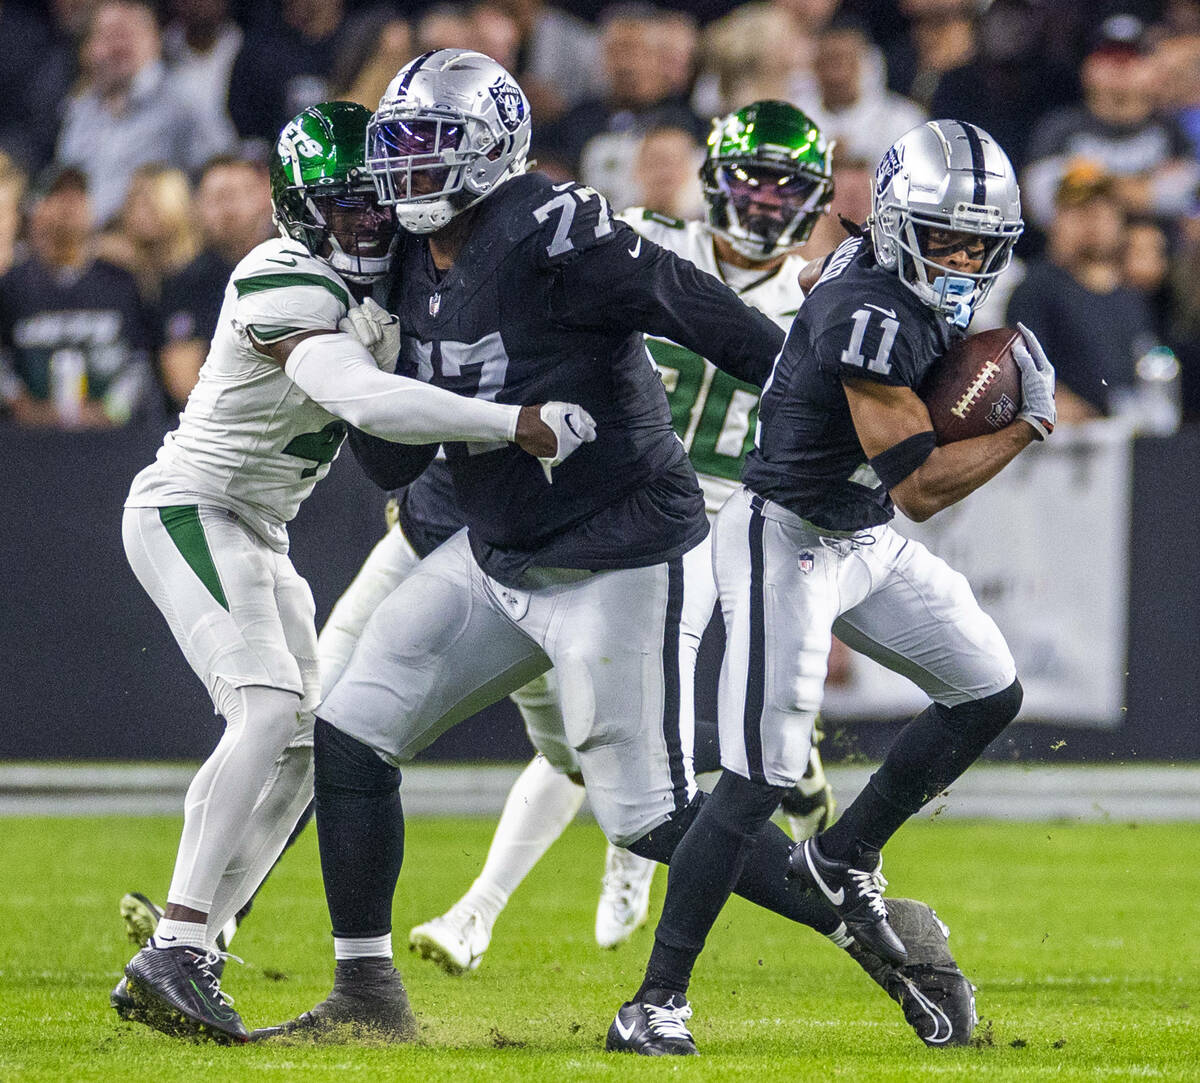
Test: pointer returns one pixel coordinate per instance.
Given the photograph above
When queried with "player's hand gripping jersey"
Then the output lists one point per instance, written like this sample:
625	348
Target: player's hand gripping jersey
858	322
551	294
713	412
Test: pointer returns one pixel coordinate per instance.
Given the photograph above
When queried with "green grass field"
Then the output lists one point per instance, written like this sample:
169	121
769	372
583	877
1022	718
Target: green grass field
1082	940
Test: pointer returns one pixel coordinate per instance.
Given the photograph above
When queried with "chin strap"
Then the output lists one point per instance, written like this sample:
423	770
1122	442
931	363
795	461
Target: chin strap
953	295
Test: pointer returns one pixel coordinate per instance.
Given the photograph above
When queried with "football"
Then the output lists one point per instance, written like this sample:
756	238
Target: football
974	388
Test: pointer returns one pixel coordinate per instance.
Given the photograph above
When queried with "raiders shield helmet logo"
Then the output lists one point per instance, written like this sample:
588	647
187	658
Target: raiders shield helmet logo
509	104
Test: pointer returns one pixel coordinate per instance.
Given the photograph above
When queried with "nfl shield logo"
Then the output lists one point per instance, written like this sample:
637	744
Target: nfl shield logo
435	303
806	562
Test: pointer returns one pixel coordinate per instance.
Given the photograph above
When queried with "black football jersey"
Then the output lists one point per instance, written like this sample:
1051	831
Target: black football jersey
548	299
859	322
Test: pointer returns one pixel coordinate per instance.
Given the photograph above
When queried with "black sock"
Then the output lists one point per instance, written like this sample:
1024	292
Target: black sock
706	864
706	748
360	829
933	750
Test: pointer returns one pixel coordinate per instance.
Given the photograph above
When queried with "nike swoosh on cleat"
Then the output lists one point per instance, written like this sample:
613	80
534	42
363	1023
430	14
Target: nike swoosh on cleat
636	249
836	897
626	1033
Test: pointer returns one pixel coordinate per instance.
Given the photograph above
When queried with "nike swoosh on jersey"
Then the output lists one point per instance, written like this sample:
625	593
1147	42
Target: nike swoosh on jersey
879	308
836	897
282	262
625	1032
635	251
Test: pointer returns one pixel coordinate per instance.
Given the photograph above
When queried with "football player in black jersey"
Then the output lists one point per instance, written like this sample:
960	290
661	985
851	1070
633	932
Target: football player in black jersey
507	286
804	551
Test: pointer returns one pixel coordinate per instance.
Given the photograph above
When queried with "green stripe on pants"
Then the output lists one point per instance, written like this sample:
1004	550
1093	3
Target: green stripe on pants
183	524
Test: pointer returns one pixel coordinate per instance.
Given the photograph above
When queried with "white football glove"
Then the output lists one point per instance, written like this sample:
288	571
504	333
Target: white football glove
572	426
1037	383
377	329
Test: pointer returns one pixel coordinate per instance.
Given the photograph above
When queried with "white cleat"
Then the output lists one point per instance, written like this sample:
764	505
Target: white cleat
455	942
624	896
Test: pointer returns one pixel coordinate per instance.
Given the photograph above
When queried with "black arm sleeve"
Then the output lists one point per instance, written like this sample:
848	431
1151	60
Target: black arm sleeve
633	284
389	465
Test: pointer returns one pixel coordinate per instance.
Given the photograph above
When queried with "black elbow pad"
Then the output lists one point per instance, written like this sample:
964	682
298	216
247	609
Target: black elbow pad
900	460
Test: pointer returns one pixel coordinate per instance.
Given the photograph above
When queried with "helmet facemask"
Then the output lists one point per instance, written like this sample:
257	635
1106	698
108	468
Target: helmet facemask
343	225
954	292
763	210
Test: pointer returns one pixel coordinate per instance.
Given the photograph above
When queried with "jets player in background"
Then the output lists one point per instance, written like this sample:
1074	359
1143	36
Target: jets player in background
205	531
804	550
767	179
509	286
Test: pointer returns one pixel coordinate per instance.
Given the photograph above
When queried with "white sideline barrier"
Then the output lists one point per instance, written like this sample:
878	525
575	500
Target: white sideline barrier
988	791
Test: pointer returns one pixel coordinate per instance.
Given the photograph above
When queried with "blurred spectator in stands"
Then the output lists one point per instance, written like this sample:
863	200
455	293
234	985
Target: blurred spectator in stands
1146	269
677	37
666	172
74	338
127	111
1176	82
941	37
598	139
373	50
155	234
558	57
853	180
854	106
12	188
1010	82
1117	129
200	44
1075	300
233	211
748	55
443	26
495	32
284	66
1185	279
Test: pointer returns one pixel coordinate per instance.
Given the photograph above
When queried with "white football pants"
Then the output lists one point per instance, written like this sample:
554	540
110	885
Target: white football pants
787	587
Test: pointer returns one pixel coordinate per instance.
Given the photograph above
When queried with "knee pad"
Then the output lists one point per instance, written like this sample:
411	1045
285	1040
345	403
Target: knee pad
982	720
345	765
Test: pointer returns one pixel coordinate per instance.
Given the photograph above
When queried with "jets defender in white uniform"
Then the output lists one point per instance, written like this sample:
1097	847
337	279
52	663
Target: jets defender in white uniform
205	531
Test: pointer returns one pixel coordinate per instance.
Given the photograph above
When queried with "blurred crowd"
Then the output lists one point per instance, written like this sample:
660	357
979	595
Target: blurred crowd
134	137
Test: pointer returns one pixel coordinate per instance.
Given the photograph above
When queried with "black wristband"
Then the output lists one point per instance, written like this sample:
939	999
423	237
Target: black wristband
900	460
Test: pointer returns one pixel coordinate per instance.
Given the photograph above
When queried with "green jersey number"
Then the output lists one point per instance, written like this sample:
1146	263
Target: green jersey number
711	411
319	448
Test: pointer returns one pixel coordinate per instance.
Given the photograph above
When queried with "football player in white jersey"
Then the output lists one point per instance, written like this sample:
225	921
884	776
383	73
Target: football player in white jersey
767	179
205	531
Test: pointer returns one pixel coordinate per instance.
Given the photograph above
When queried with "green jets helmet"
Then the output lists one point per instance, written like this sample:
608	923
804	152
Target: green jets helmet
323	195
767	178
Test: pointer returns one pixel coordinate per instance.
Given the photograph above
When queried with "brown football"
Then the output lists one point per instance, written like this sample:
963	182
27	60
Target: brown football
974	388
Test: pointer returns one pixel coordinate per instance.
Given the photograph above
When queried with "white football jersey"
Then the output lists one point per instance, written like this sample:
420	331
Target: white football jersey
712	412
249	439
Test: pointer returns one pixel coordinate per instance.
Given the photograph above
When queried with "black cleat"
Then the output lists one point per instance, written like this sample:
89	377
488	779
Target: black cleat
854	893
368	1001
937	999
177	992
123	1004
653	1029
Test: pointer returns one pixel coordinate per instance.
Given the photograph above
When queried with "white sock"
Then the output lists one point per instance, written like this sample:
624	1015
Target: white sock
539	806
364	947
181	934
259	724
